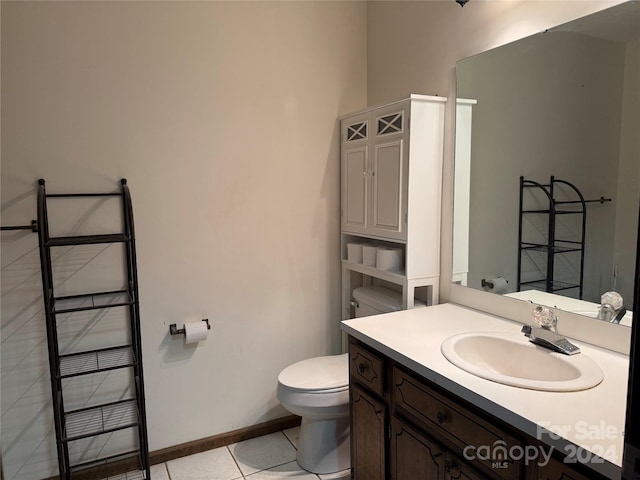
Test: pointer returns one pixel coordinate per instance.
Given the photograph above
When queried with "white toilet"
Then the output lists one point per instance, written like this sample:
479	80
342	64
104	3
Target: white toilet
317	389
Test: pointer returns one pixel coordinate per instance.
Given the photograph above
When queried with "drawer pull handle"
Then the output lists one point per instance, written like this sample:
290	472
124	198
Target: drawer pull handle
362	368
441	418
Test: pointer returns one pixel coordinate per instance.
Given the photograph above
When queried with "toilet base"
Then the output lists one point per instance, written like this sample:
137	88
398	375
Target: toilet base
324	445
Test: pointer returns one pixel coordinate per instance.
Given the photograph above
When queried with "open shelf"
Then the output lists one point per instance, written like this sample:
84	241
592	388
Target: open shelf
393	277
557	248
88	422
555	285
94	361
92	301
123	466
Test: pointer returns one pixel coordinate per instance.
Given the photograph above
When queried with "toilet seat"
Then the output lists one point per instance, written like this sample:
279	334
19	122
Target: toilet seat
315	392
319	375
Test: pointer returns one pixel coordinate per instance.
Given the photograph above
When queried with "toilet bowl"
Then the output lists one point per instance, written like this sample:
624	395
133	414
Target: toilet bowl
317	389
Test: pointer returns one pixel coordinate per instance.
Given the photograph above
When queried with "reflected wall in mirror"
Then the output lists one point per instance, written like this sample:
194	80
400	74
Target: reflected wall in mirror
565	104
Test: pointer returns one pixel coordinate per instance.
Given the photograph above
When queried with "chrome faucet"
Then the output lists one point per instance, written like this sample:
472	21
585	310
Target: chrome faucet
611	307
546	335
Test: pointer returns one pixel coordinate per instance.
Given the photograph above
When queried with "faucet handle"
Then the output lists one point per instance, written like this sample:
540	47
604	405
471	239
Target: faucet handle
544	317
612	298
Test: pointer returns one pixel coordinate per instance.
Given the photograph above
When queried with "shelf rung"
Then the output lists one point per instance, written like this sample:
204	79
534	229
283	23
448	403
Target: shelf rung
556	248
72	195
87	240
536	211
557	212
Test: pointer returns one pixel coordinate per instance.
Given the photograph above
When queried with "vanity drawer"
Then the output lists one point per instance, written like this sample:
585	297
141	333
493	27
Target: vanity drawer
366	368
444	418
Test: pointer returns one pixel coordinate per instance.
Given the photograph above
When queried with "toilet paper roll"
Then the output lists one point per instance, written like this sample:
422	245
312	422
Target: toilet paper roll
369	254
195	332
497	285
388	258
354	252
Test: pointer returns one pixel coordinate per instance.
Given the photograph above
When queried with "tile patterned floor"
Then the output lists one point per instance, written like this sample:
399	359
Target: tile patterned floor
270	457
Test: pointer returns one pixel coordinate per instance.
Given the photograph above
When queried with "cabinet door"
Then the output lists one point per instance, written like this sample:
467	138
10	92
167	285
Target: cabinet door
355	174
413	456
367	436
556	470
388	173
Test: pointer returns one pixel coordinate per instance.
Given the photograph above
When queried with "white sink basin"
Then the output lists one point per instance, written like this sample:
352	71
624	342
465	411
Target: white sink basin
511	359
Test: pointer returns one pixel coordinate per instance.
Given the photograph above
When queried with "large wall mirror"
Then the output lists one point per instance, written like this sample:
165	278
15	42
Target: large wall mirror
543	124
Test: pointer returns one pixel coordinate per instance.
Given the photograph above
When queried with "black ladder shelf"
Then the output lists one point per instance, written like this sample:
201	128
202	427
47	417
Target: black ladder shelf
553	245
74	427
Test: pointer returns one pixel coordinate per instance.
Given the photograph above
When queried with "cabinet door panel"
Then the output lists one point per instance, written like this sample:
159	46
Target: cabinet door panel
367	436
413	456
556	470
387	188
354	214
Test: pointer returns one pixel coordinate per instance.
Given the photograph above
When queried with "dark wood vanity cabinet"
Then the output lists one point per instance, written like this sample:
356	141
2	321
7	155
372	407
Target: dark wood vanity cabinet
405	428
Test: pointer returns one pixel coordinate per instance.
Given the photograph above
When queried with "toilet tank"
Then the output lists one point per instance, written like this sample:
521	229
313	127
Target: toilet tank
376	300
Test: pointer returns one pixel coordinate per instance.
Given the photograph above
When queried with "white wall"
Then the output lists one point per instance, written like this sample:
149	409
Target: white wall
222	115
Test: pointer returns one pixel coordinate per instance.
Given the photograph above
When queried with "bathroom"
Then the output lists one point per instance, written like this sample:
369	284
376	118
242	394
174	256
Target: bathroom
223	117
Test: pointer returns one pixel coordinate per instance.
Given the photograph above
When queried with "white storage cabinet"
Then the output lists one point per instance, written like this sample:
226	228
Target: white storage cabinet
391	193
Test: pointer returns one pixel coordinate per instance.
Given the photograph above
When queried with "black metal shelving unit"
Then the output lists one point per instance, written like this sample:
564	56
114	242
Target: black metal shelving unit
101	419
553	245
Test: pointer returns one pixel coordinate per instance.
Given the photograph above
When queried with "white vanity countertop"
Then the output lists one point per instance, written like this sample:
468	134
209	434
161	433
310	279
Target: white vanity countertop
590	419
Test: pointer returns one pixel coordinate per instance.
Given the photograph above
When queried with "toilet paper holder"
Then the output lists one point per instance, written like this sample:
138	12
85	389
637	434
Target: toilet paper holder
174	330
486	283
489	283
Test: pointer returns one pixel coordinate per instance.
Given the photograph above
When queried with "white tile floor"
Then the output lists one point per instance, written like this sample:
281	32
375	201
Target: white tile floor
271	457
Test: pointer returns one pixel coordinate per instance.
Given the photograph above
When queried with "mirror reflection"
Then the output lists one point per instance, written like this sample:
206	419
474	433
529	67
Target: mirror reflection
547	174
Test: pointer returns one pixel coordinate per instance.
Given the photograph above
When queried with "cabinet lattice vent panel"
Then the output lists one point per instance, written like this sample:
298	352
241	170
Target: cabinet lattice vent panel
390	124
357	131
